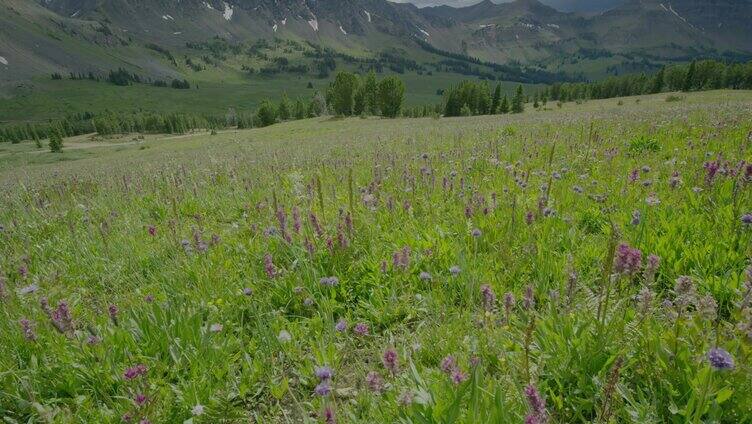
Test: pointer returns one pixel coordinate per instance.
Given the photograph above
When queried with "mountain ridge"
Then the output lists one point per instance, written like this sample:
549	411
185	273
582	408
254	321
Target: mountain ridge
80	35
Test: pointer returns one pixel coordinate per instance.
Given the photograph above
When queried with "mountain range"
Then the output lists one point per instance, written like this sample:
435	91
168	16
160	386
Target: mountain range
45	36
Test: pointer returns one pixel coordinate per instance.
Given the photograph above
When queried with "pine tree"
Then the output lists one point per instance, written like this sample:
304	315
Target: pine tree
266	114
518	101
658	81
56	141
496	102
284	108
300	109
535	101
504	106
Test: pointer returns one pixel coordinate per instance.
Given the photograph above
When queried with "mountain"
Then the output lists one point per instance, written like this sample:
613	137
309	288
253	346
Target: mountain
161	38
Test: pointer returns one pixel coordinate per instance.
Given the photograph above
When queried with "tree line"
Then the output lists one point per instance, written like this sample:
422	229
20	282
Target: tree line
348	95
109	123
694	76
123	77
470	98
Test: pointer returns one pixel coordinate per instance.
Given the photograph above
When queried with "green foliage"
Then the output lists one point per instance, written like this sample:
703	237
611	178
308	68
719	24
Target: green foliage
476	96
341	93
266	114
391	95
56	142
370	87
518	101
496	101
284	110
300	109
644	143
504	106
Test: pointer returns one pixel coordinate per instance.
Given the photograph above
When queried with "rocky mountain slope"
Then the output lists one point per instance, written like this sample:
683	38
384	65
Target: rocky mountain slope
44	36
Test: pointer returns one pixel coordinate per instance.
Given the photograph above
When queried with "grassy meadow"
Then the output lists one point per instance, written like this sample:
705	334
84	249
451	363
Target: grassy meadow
584	263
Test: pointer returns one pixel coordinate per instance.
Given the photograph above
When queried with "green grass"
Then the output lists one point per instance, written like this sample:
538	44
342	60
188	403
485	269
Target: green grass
170	230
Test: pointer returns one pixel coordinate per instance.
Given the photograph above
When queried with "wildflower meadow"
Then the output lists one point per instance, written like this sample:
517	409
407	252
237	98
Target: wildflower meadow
586	264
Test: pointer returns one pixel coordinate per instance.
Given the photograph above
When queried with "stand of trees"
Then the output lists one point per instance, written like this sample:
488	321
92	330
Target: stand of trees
695	76
110	123
352	95
470	98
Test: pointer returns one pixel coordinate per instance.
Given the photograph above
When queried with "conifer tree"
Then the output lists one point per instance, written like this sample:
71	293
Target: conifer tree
518	101
56	141
504	106
496	102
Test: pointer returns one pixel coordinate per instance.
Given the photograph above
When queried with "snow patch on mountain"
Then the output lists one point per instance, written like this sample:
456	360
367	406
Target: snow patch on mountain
75	14
228	11
275	27
343	30
368	15
4	61
424	32
168	18
314	23
208	6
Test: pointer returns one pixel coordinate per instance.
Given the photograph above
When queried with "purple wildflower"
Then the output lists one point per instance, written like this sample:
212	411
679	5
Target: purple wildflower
140	400
329	417
361	329
720	359
329	281
324	373
529	217
406	398
489	298
458	377
508	305
134	372
476	233
425	276
27	328
113	312
747	219
341	325
248	291
269	268
528	300
636	218
633	175
390	360
537	404
448	364
61	318
374	382
711	169
296	225
315	224
323	388
152	230
455	270
627	260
